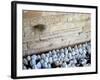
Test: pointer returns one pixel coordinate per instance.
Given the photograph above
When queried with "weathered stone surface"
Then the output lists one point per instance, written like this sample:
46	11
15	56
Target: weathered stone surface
62	29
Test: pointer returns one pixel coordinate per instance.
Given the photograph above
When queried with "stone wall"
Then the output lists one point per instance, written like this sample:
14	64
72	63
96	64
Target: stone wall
61	29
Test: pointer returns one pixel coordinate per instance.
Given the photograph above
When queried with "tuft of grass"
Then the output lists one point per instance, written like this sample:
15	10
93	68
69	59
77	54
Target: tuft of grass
39	27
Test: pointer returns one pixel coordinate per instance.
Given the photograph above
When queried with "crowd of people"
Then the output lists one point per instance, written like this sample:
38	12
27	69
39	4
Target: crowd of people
76	56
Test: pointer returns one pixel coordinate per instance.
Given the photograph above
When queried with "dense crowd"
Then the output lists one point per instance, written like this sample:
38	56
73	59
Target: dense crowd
77	56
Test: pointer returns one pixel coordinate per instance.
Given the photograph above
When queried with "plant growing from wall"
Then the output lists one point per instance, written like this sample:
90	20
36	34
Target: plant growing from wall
39	28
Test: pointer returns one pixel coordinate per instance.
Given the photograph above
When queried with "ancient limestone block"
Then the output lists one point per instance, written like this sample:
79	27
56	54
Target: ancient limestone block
24	46
87	27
